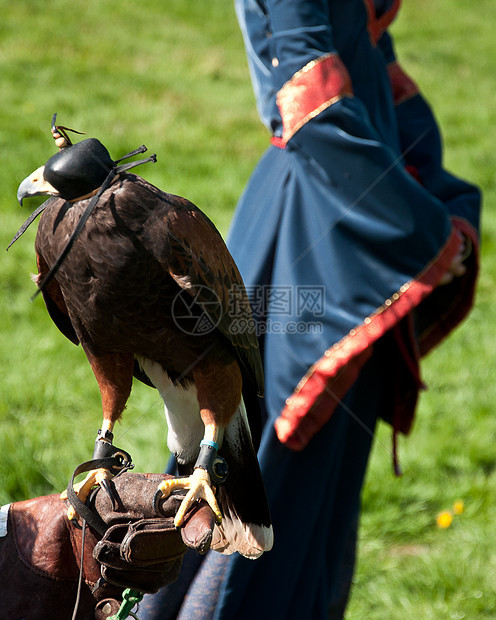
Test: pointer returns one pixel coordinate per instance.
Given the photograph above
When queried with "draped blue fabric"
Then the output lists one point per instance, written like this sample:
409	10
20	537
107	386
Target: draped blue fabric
337	205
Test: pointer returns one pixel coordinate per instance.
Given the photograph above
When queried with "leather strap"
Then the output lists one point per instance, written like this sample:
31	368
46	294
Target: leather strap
84	511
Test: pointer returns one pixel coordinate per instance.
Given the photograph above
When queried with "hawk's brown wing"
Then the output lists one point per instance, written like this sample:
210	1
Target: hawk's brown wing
200	263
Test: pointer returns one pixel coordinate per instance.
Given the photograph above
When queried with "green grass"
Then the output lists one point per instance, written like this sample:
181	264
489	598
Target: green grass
172	75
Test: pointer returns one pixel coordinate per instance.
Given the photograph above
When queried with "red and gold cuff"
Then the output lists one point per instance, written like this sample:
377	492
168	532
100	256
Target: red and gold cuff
311	90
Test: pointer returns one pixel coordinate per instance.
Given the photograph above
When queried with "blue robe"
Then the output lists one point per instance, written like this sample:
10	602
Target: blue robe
342	236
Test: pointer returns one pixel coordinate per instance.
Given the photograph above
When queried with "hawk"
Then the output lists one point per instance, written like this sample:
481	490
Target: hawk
144	282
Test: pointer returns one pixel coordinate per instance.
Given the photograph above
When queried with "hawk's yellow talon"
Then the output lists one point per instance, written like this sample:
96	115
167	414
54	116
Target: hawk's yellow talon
83	488
199	488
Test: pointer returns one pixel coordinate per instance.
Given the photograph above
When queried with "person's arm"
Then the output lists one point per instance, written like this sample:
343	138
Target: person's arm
421	143
291	52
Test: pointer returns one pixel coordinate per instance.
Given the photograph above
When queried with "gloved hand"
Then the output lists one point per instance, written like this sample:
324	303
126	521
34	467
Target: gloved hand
142	549
41	551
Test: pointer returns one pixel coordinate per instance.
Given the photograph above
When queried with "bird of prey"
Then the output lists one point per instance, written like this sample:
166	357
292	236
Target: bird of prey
149	288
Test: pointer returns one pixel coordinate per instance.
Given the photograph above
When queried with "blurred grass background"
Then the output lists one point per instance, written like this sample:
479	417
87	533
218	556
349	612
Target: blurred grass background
173	75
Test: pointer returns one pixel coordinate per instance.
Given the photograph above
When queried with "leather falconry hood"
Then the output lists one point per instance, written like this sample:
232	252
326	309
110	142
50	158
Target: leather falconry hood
77	171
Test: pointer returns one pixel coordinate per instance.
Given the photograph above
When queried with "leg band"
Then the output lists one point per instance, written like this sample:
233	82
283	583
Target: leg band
214	464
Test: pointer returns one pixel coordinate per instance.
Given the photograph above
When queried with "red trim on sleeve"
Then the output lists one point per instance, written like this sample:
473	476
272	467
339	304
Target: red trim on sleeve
311	90
402	85
327	381
378	25
279	142
457	298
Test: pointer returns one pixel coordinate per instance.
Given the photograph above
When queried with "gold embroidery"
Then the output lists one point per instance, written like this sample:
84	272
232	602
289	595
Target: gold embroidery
318	85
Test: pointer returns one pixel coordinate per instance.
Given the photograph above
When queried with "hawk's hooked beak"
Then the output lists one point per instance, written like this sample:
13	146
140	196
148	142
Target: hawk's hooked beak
35	185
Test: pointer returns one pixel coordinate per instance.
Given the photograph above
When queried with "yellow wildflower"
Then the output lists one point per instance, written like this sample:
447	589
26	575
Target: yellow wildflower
458	507
444	519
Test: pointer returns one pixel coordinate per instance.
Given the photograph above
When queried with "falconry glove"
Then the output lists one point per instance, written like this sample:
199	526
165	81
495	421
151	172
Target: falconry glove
43	555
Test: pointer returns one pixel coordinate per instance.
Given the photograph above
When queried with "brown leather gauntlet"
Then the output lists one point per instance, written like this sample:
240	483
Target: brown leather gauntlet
41	551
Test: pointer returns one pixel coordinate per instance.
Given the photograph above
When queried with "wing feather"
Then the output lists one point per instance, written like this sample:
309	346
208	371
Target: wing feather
201	264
